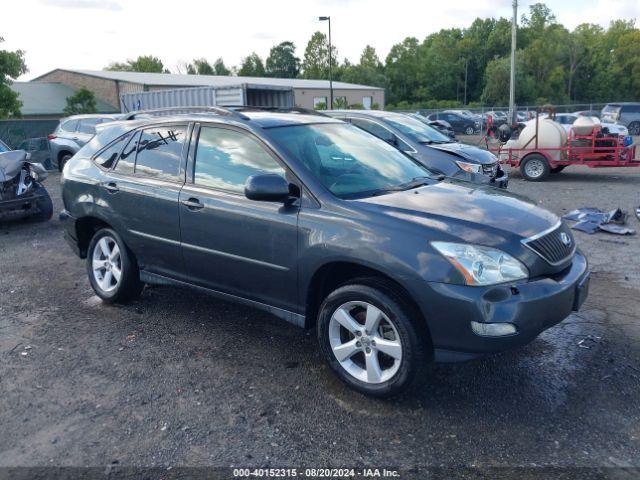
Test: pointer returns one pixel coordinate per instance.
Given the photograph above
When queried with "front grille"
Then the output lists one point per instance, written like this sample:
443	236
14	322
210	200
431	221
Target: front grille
490	169
550	245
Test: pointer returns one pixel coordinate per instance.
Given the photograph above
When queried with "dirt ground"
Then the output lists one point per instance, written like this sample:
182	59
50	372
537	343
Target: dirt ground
181	379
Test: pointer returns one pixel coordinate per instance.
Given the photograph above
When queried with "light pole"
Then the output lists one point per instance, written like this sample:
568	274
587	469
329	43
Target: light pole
512	80
328	19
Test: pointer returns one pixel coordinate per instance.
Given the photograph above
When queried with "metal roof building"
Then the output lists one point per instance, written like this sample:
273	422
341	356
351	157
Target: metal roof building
48	100
110	85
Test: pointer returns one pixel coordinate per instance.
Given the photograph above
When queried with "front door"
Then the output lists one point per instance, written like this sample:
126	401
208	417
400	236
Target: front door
230	243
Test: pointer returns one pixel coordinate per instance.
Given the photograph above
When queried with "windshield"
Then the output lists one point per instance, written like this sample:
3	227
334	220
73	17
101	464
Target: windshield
416	129
349	162
3	147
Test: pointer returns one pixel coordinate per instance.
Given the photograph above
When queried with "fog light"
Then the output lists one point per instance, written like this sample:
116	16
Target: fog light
493	329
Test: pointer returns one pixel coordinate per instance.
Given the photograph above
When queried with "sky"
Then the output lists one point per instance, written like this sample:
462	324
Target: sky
90	34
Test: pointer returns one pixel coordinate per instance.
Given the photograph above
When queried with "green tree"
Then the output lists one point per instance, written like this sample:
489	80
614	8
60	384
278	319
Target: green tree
402	70
83	101
626	66
11	67
144	63
282	61
200	66
219	68
368	72
315	64
252	66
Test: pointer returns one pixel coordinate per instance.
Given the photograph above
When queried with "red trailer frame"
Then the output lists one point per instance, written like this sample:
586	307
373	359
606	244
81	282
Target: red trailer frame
591	150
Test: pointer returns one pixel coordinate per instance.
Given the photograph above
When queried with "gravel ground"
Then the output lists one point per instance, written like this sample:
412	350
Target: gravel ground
181	379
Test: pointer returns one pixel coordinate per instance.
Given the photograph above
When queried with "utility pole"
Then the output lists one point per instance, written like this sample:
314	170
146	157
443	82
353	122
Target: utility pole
322	19
512	80
466	69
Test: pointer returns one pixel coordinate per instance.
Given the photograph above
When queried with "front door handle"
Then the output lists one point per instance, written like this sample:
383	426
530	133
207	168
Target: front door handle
193	204
111	187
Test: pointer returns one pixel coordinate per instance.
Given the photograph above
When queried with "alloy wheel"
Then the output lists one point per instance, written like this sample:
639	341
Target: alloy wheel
107	264
365	342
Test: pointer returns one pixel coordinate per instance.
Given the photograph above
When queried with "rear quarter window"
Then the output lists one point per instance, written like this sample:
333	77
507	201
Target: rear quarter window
69	126
107	157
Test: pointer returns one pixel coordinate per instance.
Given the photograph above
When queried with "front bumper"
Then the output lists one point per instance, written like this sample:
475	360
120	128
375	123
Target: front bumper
532	307
20	206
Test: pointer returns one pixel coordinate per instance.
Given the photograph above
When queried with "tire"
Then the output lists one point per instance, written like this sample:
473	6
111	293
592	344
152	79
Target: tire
469	131
349	305
634	128
45	206
535	168
104	280
63	160
557	169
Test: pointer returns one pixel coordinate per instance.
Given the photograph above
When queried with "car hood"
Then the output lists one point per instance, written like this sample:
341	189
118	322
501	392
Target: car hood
473	213
10	164
466	152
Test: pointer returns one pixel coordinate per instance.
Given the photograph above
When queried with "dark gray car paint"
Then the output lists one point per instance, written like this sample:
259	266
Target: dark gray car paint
267	254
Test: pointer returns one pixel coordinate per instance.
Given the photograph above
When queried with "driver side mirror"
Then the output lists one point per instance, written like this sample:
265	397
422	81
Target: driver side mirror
266	188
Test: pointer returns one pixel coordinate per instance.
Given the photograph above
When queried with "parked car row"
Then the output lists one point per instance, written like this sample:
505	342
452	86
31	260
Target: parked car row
327	226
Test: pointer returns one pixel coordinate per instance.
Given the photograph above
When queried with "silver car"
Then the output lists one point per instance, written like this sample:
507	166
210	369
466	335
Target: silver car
627	114
72	133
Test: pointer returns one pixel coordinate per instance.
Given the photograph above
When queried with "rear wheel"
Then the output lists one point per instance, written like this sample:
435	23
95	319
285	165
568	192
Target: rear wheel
634	128
368	338
64	158
535	168
112	268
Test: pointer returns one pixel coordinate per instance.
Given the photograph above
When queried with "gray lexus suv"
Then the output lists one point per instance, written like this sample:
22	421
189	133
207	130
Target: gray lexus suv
72	133
324	226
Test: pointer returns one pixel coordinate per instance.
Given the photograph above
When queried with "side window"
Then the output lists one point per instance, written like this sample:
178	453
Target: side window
128	156
88	125
69	126
226	158
160	152
374	129
108	156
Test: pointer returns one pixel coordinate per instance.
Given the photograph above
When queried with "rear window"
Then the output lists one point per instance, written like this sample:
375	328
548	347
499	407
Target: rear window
88	125
69	125
160	152
108	156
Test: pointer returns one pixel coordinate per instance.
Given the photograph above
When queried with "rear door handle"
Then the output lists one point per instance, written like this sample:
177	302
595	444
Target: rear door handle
111	187
193	204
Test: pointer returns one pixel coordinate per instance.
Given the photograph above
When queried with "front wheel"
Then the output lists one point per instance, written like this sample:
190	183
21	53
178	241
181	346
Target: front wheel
469	131
112	268
634	128
44	206
369	339
535	168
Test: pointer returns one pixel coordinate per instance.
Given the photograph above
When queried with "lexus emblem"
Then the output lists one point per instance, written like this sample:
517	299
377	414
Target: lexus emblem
565	239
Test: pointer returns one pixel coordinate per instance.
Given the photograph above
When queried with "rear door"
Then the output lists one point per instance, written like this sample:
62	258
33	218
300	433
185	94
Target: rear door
230	243
141	193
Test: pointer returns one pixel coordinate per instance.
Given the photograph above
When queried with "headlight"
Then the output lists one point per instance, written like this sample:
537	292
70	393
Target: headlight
469	167
482	265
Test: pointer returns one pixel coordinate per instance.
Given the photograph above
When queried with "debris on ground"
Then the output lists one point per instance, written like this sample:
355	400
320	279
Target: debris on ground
589	341
591	220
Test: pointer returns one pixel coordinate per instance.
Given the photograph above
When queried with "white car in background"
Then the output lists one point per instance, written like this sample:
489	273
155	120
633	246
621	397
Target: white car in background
567	119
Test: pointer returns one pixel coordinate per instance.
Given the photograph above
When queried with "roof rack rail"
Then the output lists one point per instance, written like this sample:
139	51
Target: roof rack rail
178	110
269	108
